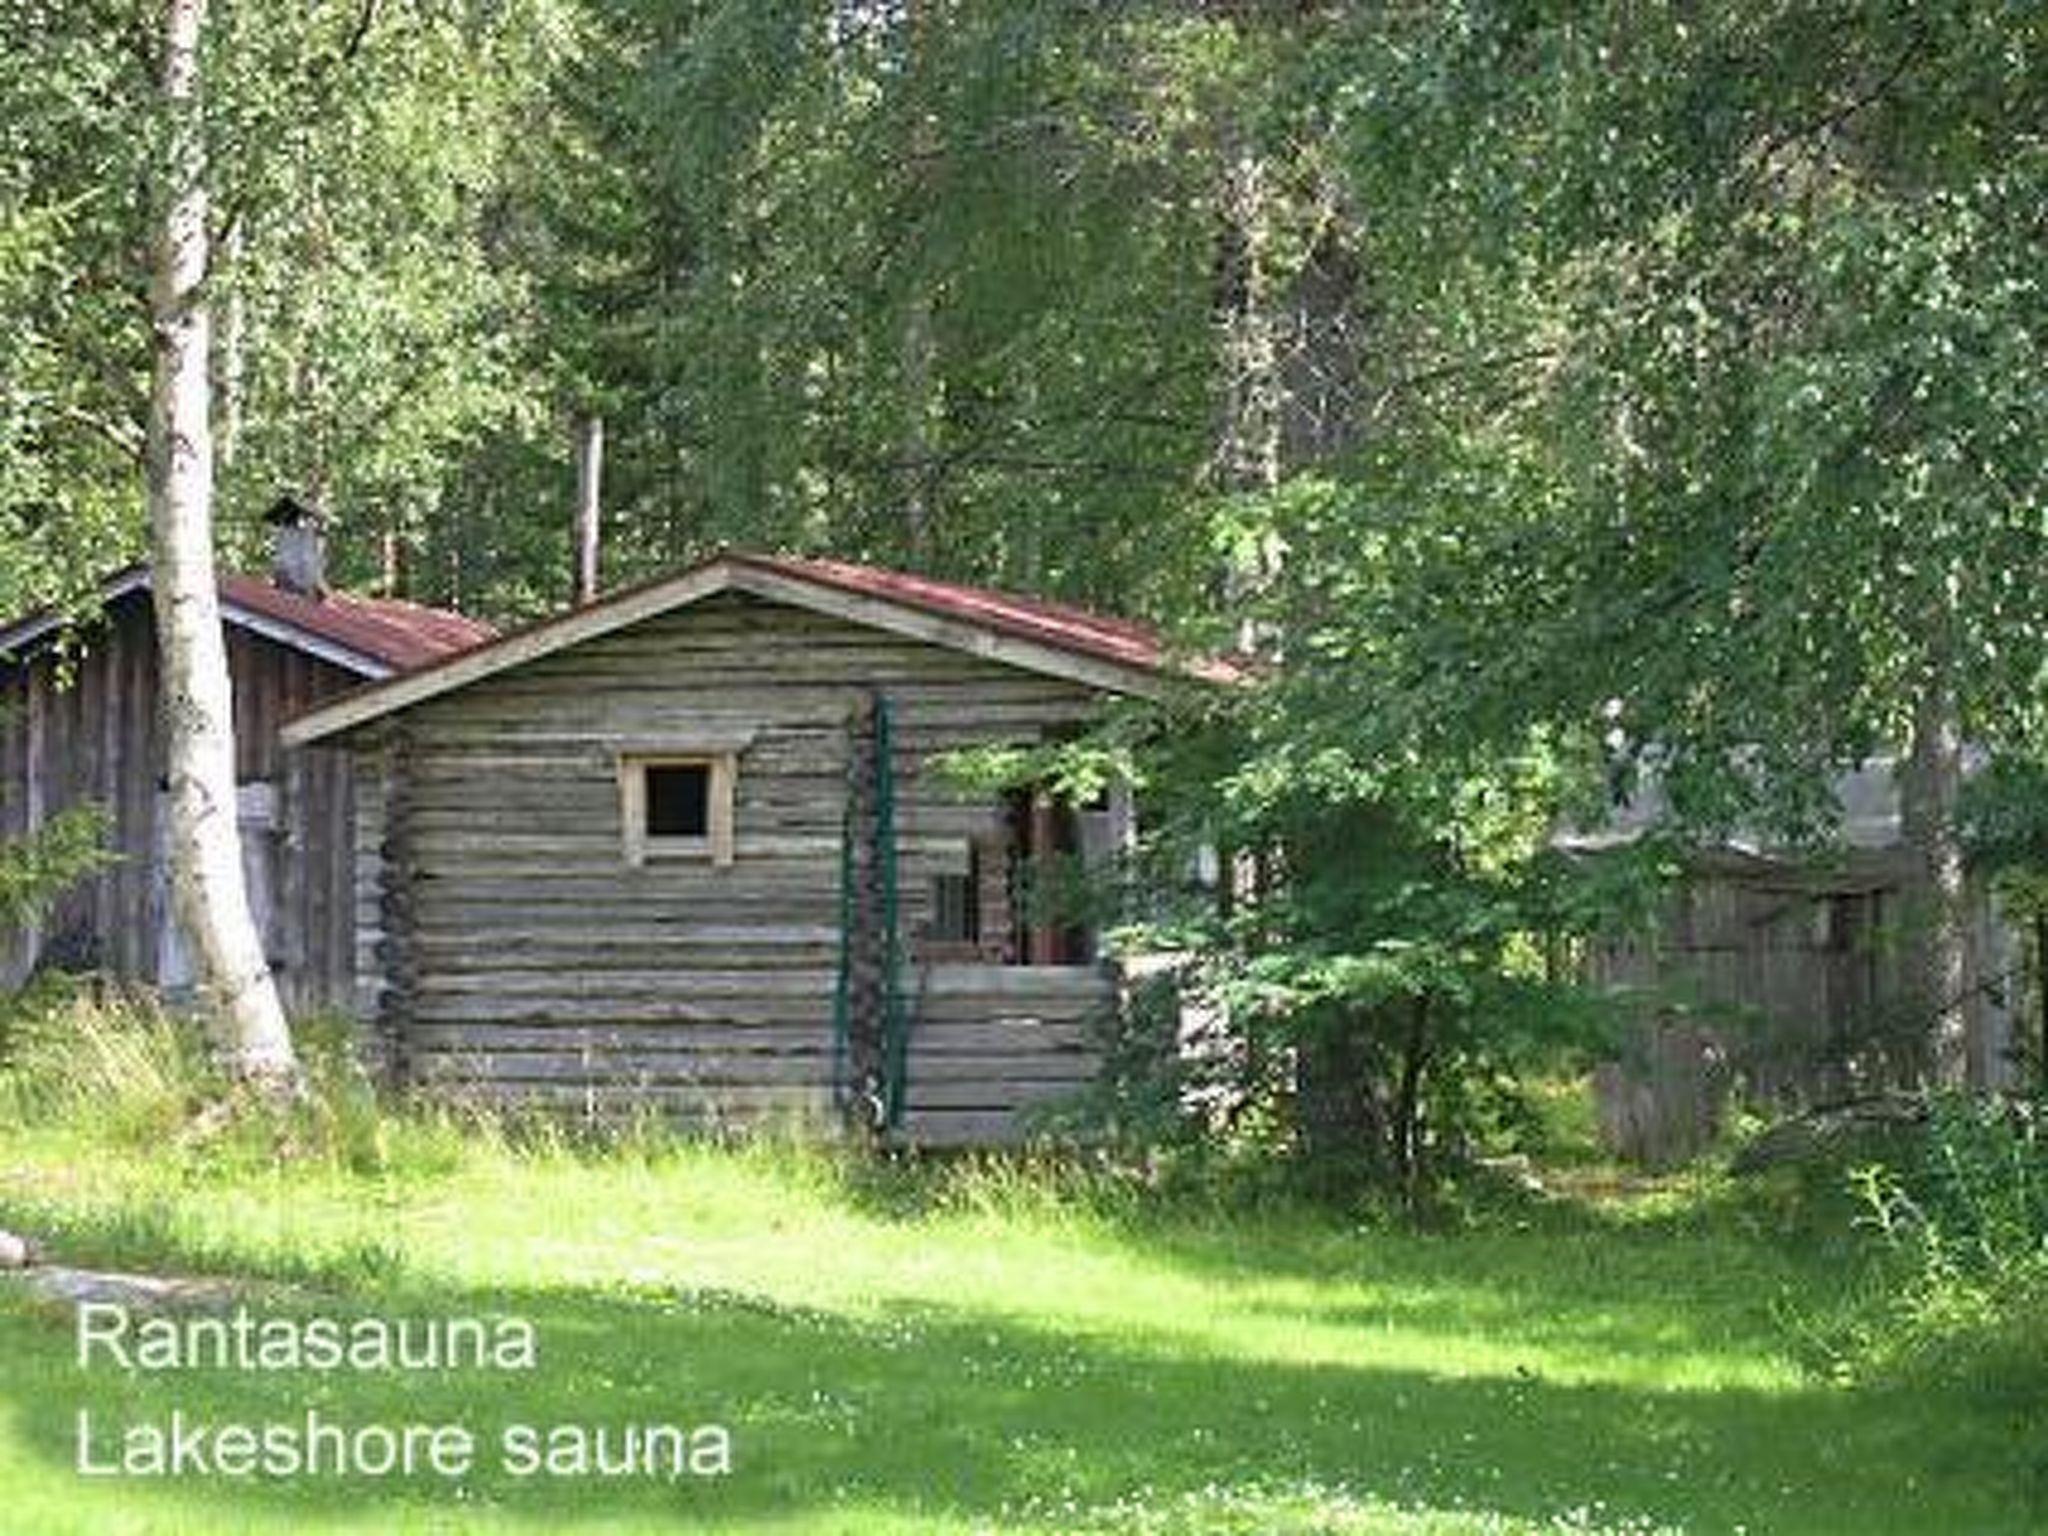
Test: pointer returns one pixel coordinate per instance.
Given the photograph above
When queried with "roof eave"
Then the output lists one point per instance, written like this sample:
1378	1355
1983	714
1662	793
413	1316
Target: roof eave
27	632
370	668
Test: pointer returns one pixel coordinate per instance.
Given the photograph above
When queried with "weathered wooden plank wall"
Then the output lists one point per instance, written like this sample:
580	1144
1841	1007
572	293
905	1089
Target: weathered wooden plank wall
1789	984
81	726
517	955
312	855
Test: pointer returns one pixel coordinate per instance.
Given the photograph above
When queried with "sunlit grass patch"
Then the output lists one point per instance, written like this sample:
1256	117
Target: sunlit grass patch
967	1353
986	1345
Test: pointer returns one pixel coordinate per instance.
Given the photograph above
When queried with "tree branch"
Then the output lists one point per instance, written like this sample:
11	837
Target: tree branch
125	436
366	18
1827	123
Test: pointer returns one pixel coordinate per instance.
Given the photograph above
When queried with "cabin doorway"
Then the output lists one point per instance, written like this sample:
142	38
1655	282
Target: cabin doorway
1044	872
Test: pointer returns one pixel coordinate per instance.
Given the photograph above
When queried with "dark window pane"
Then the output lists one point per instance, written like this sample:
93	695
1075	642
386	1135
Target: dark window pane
956	909
679	800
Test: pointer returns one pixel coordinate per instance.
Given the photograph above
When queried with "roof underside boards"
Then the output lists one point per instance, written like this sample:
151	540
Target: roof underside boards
1114	655
374	638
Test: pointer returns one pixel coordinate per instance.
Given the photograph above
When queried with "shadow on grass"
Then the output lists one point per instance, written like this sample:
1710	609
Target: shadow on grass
952	1414
1580	1286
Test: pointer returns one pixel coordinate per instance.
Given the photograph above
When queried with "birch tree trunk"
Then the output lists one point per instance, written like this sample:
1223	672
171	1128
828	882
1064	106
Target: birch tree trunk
1248	434
1941	940
207	887
588	522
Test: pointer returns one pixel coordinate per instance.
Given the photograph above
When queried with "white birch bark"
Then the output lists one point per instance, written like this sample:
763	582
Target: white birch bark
207	888
1248	439
920	351
1248	443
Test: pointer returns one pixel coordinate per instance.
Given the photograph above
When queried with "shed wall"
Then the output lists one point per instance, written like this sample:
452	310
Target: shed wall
1791	984
82	726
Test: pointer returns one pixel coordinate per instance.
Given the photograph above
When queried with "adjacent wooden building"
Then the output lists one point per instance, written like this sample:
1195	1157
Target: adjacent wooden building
1783	979
688	847
79	724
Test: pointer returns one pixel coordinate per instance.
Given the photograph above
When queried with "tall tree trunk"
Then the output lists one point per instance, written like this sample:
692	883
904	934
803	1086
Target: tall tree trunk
920	350
1942	937
1248	438
208	892
394	562
228	362
2041	1001
920	484
589	505
1407	1115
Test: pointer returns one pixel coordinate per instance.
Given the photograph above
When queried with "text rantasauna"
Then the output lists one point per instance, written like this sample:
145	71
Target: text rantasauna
109	1335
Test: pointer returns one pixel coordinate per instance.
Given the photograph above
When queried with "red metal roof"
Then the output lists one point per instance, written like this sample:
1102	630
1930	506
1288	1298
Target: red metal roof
1123	644
370	635
399	634
1032	618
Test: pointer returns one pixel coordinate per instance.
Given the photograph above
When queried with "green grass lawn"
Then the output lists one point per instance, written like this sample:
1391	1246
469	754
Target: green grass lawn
972	1353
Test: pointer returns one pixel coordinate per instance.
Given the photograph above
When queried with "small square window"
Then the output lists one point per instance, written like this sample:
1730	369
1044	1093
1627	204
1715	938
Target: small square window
677	806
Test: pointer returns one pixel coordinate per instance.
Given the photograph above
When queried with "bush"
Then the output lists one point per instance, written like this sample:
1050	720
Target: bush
1967	1213
38	868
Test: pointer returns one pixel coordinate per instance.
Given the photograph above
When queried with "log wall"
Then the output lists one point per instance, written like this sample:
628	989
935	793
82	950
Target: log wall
512	953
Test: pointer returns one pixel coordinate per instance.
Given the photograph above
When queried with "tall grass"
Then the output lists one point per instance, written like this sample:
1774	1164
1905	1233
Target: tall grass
114	1072
76	1054
1966	1215
1960	1214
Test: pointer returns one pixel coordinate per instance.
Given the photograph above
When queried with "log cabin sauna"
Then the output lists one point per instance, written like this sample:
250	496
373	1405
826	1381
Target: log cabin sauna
79	725
687	848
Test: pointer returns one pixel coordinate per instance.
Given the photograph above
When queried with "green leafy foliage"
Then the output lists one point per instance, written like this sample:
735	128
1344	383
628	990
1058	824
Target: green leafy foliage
1384	955
375	287
926	285
1968	1215
38	868
366	292
1721	377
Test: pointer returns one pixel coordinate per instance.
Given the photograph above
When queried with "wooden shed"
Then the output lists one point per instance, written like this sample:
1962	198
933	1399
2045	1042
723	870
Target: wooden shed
79	725
687	847
1782	979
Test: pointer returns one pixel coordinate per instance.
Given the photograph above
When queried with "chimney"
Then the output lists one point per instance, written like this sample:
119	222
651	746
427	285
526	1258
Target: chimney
300	561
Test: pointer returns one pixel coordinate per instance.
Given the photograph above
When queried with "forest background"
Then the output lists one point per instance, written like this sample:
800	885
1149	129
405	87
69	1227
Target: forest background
1546	391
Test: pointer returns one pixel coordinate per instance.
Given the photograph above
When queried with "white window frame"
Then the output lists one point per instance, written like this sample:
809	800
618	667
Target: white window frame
720	759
